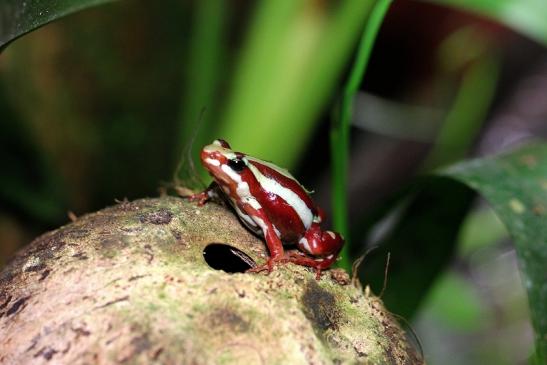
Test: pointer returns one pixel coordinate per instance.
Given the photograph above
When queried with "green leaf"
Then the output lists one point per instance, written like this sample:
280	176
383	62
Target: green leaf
422	232
18	17
525	16
515	184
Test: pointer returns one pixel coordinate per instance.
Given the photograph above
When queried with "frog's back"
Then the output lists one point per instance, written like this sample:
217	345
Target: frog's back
284	200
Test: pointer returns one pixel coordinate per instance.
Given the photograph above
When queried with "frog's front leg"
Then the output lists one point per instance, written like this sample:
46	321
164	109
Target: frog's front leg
275	246
205	195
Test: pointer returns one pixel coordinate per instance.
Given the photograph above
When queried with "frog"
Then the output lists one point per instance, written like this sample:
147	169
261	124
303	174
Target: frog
271	203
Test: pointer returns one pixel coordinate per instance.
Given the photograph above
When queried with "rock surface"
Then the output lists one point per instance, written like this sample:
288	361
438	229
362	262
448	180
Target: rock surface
129	285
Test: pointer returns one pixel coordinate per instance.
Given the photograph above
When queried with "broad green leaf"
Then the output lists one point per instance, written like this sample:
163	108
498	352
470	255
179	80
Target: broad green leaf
525	16
422	235
515	184
18	17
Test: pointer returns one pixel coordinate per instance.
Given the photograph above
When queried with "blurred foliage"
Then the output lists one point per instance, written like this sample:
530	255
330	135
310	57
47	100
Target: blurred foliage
515	184
429	218
290	60
204	73
481	228
20	17
288	69
456	303
474	95
103	122
425	226
526	16
477	314
30	189
340	128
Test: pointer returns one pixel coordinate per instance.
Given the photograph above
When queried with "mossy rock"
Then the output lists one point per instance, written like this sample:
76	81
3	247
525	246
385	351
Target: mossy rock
129	285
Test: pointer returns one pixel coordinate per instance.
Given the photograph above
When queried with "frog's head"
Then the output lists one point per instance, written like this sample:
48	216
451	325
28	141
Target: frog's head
226	166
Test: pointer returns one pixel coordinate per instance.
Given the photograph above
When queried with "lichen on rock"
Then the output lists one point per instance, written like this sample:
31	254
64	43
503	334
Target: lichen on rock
130	285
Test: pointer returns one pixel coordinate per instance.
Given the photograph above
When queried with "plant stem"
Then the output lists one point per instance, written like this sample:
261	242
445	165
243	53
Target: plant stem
339	136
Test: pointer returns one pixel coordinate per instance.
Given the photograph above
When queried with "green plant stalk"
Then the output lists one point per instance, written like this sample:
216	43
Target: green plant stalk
286	73
202	74
339	135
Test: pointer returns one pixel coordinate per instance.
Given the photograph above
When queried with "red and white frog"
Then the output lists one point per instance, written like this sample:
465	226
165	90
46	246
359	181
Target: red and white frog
271	203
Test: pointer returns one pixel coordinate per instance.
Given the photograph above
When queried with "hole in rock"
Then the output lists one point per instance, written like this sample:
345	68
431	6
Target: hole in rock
221	256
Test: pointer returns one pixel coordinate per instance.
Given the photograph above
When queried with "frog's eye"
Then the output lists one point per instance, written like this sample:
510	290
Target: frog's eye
237	164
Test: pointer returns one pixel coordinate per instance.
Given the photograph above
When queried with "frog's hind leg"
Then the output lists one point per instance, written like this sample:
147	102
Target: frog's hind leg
320	243
318	263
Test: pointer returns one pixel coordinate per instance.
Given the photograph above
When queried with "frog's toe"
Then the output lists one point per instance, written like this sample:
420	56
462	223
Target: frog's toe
260	268
269	265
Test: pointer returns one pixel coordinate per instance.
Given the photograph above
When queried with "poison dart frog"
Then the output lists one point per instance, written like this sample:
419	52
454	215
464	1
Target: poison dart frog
271	203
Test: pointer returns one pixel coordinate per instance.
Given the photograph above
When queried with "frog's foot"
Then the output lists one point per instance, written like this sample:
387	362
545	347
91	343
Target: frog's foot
201	198
318	263
205	195
269	265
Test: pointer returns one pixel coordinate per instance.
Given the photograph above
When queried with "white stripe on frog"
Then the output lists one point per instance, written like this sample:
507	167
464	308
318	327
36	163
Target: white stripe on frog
272	186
